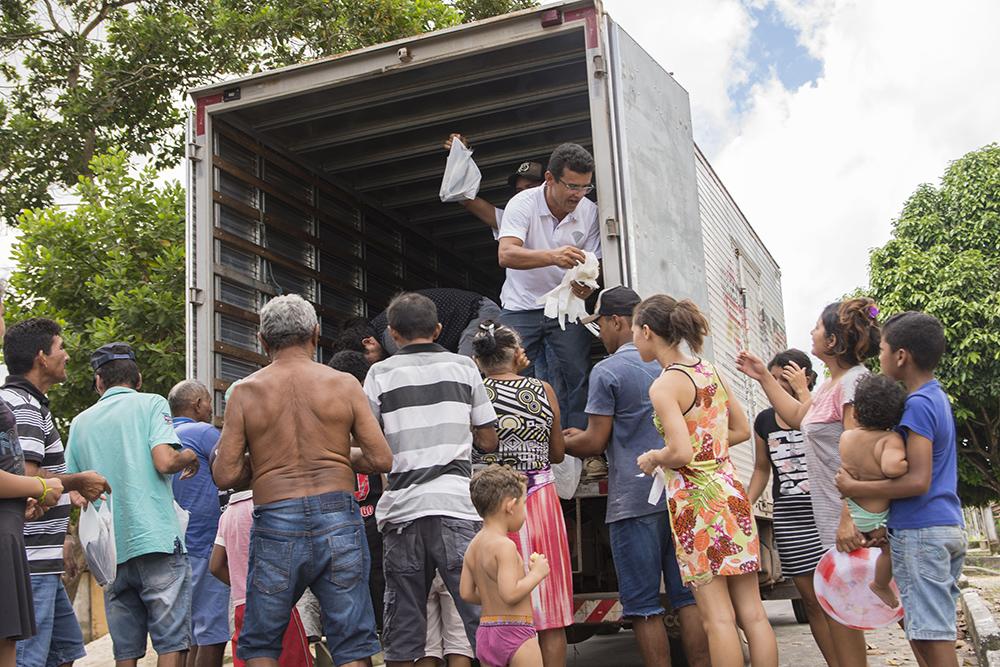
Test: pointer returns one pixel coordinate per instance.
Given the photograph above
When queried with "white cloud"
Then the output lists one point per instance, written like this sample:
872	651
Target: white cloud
704	43
821	171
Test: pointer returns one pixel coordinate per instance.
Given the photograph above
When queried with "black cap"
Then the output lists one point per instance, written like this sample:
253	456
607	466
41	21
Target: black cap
614	301
533	171
111	352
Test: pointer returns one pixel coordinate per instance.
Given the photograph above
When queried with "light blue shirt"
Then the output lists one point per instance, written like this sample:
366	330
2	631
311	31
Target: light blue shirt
115	437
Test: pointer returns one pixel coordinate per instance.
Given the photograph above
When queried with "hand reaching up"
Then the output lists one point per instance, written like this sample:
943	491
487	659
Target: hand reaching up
750	364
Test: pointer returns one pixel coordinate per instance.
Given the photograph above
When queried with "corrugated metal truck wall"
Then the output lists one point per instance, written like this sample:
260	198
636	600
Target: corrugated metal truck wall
744	296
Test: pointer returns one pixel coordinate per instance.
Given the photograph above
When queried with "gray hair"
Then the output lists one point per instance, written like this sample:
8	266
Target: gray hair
286	321
185	393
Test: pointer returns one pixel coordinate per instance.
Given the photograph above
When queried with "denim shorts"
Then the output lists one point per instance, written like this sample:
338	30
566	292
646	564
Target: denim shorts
59	640
209	605
315	542
151	594
926	563
643	550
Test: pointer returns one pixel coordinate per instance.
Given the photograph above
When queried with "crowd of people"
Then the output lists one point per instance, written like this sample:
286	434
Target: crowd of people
401	499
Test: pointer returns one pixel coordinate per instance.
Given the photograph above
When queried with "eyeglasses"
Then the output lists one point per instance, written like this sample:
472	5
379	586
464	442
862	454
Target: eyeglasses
585	189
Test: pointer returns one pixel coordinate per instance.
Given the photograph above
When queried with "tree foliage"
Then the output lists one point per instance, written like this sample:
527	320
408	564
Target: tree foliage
944	259
83	77
108	269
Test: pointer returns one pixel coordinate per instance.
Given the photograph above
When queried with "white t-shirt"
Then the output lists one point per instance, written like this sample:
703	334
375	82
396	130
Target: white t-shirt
527	217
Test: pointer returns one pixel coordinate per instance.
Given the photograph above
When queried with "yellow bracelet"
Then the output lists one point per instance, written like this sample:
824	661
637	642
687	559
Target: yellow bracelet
45	490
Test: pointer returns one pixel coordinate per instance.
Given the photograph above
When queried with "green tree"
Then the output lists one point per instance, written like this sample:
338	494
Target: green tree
110	268
944	259
83	77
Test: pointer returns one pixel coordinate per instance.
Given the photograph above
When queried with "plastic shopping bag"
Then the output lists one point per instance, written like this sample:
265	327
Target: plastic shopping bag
560	303
567	474
183	517
97	539
461	175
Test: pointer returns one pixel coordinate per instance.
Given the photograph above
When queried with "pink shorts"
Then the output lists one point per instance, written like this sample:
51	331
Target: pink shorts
544	531
499	637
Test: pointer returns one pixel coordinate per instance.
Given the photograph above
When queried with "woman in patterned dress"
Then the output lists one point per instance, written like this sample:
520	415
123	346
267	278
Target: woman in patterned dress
530	440
781	449
714	531
845	334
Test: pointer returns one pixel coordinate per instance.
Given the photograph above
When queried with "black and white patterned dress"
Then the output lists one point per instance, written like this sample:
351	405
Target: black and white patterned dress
524	424
795	532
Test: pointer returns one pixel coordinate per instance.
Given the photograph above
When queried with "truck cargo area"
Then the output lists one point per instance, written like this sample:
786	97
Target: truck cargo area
333	193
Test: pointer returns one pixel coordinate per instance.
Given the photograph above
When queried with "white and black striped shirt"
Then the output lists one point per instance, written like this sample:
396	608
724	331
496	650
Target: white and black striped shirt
428	400
41	444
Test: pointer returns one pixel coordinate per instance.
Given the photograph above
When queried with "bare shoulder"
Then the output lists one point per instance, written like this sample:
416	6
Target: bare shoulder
892	439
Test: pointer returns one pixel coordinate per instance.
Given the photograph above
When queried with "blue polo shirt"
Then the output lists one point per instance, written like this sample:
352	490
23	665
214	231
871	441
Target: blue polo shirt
115	437
198	494
619	388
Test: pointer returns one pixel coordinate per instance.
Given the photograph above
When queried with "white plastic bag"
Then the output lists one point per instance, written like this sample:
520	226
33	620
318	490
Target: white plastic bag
560	303
97	539
183	517
567	474
461	175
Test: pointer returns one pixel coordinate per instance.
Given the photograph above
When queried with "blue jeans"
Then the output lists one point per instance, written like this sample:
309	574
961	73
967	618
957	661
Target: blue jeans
59	640
926	563
315	542
150	594
643	550
566	368
209	605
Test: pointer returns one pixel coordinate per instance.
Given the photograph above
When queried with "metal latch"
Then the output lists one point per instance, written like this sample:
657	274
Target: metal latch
195	296
599	70
611	227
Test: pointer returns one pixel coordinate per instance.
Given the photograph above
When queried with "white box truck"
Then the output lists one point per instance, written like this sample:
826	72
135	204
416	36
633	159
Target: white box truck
321	179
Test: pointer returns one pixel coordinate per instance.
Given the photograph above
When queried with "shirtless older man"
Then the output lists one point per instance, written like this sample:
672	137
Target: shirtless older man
298	417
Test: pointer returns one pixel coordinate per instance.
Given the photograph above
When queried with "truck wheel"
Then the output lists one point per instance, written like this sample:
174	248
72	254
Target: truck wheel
577	633
799	608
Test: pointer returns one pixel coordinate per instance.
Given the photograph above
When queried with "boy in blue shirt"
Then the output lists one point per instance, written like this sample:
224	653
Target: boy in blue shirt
926	528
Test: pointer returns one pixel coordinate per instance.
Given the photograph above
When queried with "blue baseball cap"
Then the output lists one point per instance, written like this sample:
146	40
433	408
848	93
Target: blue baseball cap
111	352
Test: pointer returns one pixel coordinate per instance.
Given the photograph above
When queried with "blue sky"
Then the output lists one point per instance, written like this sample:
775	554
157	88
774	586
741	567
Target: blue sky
774	47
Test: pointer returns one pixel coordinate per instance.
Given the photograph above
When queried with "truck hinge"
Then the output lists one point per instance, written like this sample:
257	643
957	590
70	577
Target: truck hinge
194	151
599	70
195	296
611	227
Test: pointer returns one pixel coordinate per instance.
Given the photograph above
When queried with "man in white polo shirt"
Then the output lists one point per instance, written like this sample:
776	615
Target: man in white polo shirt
544	232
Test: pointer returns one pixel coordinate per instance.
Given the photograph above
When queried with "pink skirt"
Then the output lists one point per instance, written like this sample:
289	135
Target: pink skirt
544	532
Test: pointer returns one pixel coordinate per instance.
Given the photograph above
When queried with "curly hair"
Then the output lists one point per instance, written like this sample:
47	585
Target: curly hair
878	402
853	326
494	345
491	485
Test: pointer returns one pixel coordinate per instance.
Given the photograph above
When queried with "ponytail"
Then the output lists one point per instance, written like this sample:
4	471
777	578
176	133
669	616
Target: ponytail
494	344
673	321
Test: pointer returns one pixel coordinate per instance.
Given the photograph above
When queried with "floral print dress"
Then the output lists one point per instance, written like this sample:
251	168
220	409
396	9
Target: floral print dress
710	515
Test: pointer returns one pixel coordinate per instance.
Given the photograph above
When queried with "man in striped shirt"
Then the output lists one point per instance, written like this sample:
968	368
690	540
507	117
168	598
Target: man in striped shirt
34	354
433	407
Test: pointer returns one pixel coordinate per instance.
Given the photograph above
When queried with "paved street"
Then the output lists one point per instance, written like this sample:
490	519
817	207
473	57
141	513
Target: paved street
795	646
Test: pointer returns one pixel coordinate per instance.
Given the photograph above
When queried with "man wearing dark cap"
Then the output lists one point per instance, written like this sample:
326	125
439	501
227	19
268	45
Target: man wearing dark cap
620	425
527	175
129	438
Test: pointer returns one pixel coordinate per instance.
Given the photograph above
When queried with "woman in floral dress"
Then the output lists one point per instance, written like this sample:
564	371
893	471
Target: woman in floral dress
713	526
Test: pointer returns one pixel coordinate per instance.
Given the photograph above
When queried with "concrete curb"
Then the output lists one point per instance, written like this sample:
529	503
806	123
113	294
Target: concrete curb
983	630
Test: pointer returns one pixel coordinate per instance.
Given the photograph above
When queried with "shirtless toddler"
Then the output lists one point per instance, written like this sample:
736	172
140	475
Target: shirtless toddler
873	451
493	572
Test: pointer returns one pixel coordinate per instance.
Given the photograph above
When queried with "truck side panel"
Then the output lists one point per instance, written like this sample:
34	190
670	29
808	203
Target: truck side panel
659	206
744	295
